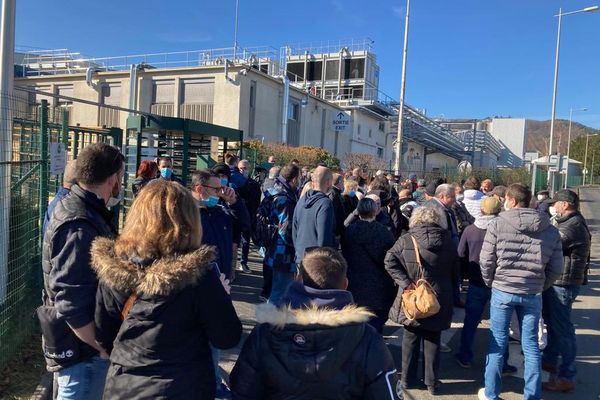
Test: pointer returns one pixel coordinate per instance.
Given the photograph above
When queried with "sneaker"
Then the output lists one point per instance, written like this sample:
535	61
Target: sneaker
481	394
244	268
559	385
464	364
444	348
509	369
223	392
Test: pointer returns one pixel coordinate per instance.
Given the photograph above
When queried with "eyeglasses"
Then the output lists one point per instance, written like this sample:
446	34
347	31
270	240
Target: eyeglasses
212	187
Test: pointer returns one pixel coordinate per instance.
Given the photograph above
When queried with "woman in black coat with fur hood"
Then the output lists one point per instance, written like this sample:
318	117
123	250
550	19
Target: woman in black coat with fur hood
437	256
160	302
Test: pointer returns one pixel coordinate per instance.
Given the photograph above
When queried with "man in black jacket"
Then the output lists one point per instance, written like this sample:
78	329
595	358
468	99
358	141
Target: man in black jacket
251	194
67	316
320	347
335	195
558	299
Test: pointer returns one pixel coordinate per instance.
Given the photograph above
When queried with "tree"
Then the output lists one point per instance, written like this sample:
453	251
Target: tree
578	153
365	161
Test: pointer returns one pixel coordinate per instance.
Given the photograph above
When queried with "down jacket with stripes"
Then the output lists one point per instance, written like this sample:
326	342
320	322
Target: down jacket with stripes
521	253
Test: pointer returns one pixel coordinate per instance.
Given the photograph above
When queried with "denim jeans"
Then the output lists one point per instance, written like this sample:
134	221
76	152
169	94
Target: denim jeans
558	302
245	244
84	380
528	308
477	299
281	282
216	356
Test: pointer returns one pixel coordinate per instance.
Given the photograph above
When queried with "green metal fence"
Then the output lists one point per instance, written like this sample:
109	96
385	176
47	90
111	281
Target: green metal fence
31	188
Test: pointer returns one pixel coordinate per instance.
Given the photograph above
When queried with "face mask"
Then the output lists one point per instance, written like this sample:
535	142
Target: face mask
224	182
553	211
246	173
351	194
460	197
541	197
505	205
166	173
211	201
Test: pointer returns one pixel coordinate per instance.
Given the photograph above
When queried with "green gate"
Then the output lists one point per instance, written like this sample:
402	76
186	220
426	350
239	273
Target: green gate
31	188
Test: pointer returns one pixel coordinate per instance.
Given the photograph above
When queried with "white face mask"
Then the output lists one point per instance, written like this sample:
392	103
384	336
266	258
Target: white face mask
506	205
541	197
113	201
460	197
552	211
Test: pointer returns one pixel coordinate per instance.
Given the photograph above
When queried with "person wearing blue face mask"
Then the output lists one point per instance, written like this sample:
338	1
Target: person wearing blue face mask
165	168
219	207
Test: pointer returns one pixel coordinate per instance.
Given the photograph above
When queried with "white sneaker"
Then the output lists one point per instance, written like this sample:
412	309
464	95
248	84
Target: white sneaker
481	394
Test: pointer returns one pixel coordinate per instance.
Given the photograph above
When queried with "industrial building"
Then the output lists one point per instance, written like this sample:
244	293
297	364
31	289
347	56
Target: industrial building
293	95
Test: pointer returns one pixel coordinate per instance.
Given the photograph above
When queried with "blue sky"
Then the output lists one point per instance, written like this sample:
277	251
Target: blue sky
467	58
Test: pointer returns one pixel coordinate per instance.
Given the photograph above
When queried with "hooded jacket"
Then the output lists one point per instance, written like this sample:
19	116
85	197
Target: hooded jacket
470	245
472	202
161	348
314	223
438	256
576	242
521	253
364	246
322	350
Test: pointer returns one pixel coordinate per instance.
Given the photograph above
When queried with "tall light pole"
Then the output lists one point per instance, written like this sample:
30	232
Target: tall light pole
585	171
559	15
235	31
402	91
569	144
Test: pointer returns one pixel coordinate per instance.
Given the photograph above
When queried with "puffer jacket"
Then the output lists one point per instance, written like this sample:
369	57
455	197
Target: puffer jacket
472	201
438	256
576	242
364	246
325	350
161	349
521	253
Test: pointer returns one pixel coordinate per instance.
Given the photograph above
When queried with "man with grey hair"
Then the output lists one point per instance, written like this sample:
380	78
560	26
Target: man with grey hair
270	181
443	201
314	219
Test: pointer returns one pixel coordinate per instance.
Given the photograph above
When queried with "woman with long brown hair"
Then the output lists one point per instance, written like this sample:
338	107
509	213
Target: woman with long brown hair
160	302
147	172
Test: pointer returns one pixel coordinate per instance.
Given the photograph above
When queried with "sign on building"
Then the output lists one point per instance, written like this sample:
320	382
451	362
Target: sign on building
342	122
58	158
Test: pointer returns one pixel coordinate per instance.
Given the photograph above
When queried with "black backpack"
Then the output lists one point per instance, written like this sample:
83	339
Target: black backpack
265	229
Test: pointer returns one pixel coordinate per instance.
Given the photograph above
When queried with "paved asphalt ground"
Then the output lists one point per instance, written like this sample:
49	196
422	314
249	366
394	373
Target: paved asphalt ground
459	383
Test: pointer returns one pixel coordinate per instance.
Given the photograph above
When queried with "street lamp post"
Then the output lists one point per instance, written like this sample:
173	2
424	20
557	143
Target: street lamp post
235	31
569	144
402	90
587	142
554	91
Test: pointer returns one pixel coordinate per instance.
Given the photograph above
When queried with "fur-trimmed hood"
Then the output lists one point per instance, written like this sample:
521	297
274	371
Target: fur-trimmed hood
324	317
163	277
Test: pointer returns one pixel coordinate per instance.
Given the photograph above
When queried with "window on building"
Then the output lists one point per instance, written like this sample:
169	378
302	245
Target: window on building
358	130
382	126
354	68
379	152
293	111
370	133
295	71
163	92
315	70
332	70
198	91
64	90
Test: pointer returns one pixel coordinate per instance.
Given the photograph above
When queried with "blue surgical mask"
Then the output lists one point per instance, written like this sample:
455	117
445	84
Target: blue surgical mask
351	194
211	201
166	173
224	182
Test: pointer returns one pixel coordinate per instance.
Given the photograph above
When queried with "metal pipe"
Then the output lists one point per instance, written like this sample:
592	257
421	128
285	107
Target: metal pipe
402	91
585	171
235	32
568	148
286	98
7	73
89	72
133	84
554	90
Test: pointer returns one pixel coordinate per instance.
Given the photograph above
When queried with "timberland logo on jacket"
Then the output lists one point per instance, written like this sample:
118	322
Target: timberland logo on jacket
299	339
59	356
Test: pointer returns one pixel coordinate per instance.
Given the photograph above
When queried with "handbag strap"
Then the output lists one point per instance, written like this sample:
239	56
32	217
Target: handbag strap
127	306
418	256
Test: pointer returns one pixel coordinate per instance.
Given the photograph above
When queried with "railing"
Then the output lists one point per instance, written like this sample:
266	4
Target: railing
331	46
199	112
108	117
164	109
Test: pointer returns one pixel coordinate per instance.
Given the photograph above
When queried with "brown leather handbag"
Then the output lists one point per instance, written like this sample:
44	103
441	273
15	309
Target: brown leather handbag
421	300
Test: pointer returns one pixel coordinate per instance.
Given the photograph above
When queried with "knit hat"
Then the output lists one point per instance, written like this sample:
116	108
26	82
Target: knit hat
430	189
490	206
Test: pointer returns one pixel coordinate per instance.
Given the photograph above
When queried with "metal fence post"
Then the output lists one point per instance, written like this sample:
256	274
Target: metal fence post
43	195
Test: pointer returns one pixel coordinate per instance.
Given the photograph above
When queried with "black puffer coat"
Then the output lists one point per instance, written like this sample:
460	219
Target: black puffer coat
161	350
438	255
576	241
314	353
364	246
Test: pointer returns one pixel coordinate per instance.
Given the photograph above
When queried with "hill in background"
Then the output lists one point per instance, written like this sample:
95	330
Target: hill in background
538	134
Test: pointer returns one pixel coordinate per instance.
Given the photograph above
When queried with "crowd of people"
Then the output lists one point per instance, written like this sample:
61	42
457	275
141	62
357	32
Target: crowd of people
144	314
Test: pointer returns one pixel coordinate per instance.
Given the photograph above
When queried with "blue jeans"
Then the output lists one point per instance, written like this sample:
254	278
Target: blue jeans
216	356
84	380
477	299
558	302
281	282
528	308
